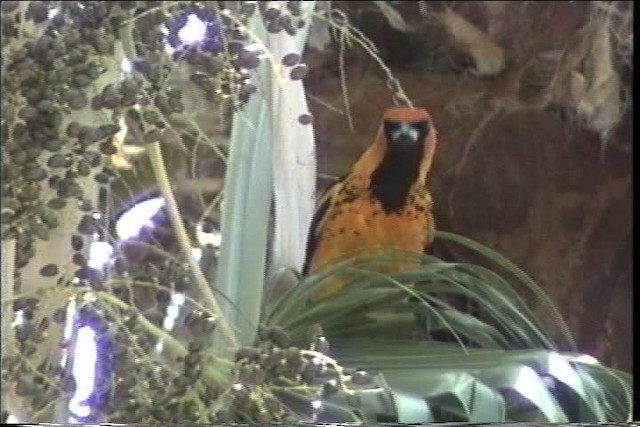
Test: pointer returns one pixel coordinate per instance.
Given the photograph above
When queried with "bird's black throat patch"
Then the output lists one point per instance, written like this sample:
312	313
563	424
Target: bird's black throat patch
399	168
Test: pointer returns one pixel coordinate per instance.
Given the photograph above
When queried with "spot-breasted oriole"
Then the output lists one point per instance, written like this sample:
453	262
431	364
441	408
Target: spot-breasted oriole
382	202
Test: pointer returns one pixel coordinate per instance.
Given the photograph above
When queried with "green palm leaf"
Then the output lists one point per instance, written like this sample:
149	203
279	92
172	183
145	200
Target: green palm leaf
499	364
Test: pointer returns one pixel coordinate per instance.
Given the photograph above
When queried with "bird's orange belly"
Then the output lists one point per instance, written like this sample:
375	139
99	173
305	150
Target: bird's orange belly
364	226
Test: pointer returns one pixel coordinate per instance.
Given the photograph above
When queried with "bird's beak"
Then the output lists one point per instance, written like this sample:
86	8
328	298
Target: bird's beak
405	135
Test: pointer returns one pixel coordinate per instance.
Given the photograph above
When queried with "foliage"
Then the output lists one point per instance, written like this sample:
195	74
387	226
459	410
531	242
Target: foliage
458	337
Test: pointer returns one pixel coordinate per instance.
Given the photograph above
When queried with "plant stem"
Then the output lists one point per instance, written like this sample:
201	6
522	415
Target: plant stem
212	371
157	162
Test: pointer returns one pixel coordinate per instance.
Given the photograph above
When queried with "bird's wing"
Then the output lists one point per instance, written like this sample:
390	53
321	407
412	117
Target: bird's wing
319	217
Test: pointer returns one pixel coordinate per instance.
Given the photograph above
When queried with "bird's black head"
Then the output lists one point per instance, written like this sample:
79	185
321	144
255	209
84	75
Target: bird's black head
400	166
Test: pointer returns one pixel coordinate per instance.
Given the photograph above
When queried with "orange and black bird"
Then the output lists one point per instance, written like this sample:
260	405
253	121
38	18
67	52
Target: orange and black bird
382	202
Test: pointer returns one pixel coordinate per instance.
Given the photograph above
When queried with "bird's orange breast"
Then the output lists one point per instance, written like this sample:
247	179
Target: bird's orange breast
356	222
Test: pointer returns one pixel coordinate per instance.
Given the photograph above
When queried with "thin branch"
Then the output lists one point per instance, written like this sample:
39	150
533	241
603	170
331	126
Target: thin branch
157	163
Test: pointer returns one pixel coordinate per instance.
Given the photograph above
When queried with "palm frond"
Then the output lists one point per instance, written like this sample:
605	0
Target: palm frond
520	277
493	386
492	360
248	187
368	293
